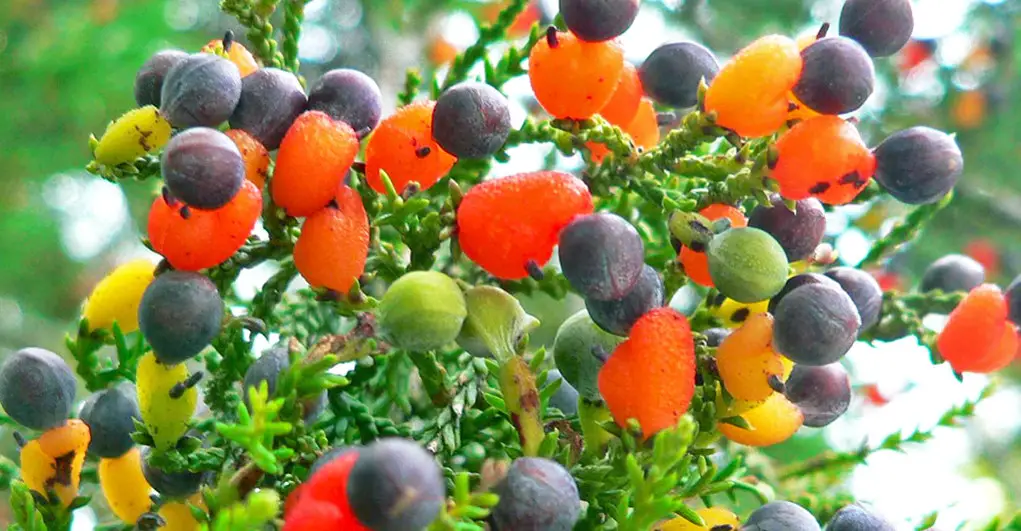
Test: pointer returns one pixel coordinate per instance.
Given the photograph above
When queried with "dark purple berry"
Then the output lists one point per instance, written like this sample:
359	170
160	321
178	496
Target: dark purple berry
799	232
1013	295
837	77
618	316
781	516
201	90
855	517
270	101
536	495
179	315
598	20
918	165
715	336
815	324
864	292
173	485
471	120
268	368
348	96
203	168
110	415
822	393
395	485
954	272
149	79
566	397
37	388
601	255
796	282
671	74
882	27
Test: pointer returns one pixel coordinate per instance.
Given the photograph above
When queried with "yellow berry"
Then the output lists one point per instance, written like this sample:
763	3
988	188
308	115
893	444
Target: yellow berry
55	459
124	487
712	516
733	313
775	421
116	297
165	417
178	515
747	361
134	134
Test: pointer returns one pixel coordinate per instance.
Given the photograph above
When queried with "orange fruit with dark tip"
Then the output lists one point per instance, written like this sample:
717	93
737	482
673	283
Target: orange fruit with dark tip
749	95
651	376
313	158
504	224
55	460
695	262
773	422
643	130
238	54
746	360
823	157
976	330
403	147
572	78
254	154
199	239
334	243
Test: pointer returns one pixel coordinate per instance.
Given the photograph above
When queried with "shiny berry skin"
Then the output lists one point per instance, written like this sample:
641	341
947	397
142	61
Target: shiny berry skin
837	77
822	393
180	314
747	361
823	157
501	227
577	349
271	99
54	461
165	416
863	290
471	120
572	78
815	324
601	255
918	165
749	95
856	517
747	264
124	486
403	147
37	388
781	516
600	20
135	133
798	232
348	96
149	79
796	282
395	485
111	415
773	422
115	299
422	311
203	168
201	90
623	105
695	261
254	155
206	237
672	73
619	315
536	494
314	156
977	333
237	54
714	518
882	27
334	243
566	397
651	376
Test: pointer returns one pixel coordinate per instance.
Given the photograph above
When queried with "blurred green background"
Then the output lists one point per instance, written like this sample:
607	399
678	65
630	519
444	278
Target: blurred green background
66	69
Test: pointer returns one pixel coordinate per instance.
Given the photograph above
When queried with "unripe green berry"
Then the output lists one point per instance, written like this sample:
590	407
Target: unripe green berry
422	310
747	264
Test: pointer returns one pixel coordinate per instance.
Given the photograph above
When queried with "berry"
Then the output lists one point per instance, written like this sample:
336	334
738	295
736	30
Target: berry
882	27
796	282
856	517
715	518
237	54
566	397
977	336
601	255
598	21
178	515
203	168
267	368
733	313
747	264
395	485
200	90
651	376
798	232
254	155
314	515
134	134
205	238
115	299
124	486
821	393
149	79
180	314
1014	300
815	324
643	130
54	460
471	120
165	415
329	484
328	457
537	494
864	292
623	105
672	73
578	350
694	260
334	243
348	96
823	157
918	165
837	77
618	316
572	78
314	155
749	95
170	484
403	147
714	336
781	516
37	388
271	99
422	311
748	366
111	415
501	227
772	422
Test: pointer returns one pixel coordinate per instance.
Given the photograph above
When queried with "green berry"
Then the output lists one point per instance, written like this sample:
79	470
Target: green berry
747	264
423	310
578	349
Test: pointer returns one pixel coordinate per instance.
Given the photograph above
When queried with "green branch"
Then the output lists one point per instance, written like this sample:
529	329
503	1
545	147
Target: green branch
906	230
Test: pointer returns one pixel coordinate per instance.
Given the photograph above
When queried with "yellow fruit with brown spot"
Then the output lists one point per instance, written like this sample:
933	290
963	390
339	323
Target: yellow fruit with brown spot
134	134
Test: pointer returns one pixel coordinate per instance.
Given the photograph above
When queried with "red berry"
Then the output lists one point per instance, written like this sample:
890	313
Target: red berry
314	156
334	243
977	337
572	78
329	484
314	515
403	147
823	157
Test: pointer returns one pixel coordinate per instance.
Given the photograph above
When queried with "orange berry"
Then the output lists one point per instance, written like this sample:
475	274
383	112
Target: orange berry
746	360
969	109
572	78
441	51
314	156
207	237
696	264
651	376
404	148
823	157
975	330
254	154
503	224
773	422
334	243
623	105
749	95
643	130
55	459
238	54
